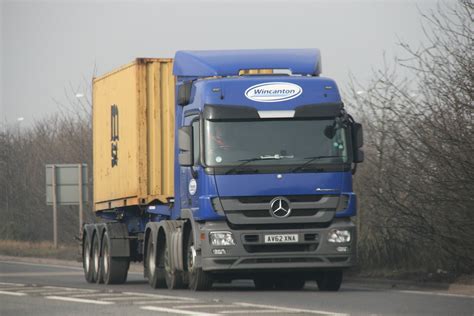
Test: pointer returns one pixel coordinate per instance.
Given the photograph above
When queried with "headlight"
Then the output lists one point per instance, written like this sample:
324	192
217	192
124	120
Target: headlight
339	236
221	239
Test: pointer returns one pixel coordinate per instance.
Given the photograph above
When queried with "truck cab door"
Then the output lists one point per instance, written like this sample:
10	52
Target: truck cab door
189	180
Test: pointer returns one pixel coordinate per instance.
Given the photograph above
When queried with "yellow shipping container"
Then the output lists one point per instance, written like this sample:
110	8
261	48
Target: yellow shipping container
133	134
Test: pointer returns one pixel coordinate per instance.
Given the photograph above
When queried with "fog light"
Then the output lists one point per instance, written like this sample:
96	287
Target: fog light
219	251
342	249
221	239
339	236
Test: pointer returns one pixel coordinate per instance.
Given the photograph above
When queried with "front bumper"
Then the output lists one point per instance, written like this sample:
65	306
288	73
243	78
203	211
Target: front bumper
250	252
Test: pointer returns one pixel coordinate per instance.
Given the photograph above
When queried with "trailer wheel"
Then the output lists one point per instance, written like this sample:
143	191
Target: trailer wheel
87	259
330	281
199	280
97	260
114	269
174	279
155	273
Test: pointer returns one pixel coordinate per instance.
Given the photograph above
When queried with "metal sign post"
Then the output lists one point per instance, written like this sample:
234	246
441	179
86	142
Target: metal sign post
55	207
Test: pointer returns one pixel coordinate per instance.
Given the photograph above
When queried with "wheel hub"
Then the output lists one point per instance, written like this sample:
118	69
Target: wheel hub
151	261
191	258
106	261
87	258
166	259
96	259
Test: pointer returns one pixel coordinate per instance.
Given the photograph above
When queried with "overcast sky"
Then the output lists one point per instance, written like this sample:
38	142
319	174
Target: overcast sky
48	46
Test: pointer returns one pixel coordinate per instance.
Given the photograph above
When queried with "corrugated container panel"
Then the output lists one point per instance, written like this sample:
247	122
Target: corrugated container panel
133	110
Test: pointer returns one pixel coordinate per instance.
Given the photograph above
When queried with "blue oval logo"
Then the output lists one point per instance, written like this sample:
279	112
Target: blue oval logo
273	92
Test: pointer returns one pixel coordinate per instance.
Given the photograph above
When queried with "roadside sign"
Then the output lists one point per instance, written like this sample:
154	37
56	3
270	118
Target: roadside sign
67	183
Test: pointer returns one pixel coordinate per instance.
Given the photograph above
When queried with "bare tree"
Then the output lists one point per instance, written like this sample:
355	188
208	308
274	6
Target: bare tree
65	137
417	187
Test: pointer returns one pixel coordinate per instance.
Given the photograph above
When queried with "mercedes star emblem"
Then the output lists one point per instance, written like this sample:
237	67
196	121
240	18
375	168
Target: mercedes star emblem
280	207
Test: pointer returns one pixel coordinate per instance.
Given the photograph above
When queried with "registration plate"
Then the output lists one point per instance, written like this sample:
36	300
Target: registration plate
282	238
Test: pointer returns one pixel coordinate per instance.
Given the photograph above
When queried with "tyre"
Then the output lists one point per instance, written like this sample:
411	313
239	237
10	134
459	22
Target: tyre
289	284
156	274
96	260
114	269
198	279
330	281
173	278
264	283
87	259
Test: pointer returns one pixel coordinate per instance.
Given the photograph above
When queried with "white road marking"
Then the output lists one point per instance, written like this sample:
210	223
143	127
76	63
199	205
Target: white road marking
121	298
161	302
13	293
37	290
78	300
293	310
253	311
12	284
17	288
176	311
64	293
112	294
161	296
203	306
435	293
55	266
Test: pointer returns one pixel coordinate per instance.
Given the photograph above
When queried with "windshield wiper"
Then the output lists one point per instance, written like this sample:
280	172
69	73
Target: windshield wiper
264	157
311	159
276	156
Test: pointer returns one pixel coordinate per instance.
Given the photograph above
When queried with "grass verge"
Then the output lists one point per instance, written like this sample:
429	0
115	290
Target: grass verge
41	249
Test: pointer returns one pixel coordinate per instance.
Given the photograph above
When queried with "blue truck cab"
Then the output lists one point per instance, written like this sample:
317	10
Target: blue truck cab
264	157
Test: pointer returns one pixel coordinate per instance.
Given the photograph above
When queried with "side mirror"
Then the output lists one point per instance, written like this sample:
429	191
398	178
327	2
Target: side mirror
358	135
184	93
358	142
185	141
330	131
358	156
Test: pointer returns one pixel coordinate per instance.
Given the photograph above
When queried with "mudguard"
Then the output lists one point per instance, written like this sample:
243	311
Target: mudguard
118	235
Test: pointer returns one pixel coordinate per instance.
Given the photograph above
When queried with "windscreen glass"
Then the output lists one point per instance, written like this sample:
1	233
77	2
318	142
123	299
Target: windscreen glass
292	142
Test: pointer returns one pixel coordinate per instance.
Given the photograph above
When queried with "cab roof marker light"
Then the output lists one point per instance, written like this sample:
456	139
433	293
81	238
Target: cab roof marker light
276	114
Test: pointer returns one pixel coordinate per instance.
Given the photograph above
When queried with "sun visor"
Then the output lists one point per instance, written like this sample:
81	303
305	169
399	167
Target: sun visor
319	110
219	112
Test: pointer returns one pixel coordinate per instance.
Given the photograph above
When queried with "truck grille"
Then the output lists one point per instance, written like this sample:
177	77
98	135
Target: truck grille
294	212
248	210
292	198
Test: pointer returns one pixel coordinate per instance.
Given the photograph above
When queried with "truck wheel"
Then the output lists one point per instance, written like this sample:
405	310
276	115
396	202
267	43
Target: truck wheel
96	260
156	277
174	279
87	259
264	283
290	284
114	270
330	280
199	280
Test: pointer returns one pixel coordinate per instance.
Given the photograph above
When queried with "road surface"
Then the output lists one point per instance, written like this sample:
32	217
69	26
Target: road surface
46	289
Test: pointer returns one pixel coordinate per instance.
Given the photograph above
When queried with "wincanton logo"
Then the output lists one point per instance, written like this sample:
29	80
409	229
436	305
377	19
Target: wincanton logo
273	92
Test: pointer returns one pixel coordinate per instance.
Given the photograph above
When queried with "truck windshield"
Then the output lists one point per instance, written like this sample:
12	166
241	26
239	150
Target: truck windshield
292	142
